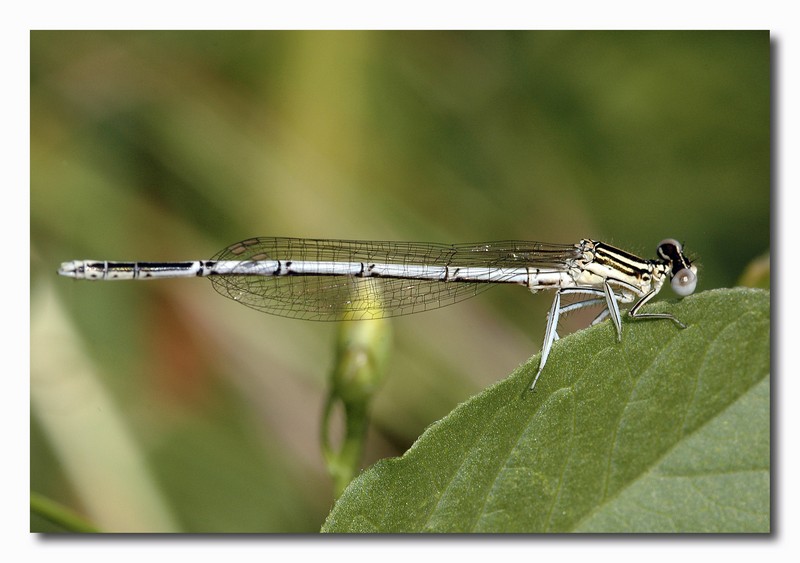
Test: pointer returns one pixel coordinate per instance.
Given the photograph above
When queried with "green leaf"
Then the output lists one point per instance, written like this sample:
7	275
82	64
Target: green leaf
667	431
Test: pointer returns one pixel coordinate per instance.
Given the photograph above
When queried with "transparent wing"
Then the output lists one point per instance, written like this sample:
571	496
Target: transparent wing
333	298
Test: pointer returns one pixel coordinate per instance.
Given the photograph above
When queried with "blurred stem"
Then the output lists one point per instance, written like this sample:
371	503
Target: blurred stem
344	462
361	354
59	515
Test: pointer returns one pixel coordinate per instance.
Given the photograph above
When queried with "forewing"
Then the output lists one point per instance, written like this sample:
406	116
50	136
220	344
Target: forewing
333	298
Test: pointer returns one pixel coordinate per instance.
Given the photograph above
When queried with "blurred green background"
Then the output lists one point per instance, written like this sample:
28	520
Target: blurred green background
161	406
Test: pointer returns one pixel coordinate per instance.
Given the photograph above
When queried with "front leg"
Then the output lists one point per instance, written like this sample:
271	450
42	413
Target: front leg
636	315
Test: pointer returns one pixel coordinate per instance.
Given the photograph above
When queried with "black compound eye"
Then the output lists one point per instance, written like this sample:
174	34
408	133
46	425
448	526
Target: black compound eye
669	248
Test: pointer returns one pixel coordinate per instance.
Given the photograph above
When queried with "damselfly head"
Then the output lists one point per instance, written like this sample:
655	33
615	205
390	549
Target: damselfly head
682	271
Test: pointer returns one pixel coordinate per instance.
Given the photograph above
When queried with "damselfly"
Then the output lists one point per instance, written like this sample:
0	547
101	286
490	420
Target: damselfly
333	280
